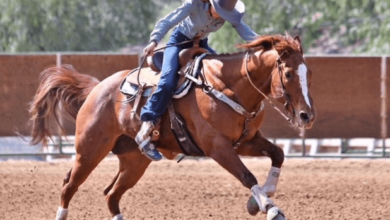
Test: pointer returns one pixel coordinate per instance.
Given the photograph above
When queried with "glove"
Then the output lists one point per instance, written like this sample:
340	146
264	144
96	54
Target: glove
148	50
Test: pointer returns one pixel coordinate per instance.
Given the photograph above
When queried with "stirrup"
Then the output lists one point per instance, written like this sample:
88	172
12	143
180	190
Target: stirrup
143	140
149	150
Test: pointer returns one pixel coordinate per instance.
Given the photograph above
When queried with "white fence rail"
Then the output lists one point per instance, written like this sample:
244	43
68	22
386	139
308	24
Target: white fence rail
18	148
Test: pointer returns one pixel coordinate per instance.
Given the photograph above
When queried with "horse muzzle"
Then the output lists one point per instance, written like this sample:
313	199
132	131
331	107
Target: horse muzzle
306	119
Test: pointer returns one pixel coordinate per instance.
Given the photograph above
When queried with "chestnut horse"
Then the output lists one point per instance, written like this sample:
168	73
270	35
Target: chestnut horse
273	65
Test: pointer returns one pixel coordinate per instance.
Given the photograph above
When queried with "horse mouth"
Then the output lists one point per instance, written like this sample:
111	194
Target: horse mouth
302	125
308	126
304	120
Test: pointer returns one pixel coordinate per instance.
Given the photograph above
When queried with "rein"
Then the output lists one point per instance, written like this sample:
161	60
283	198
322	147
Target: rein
285	94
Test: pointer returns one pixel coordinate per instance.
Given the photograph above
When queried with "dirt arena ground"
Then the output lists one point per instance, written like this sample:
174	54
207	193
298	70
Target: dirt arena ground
308	189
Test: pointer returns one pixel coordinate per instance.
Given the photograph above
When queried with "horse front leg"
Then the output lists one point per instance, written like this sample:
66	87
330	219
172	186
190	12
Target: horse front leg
225	155
260	146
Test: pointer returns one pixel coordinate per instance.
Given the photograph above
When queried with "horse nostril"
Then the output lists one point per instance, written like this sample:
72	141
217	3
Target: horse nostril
304	116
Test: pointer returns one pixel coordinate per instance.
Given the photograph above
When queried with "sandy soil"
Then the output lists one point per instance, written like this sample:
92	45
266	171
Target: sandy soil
309	189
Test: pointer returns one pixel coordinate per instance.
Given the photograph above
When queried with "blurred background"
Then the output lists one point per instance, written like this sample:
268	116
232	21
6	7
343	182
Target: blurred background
347	47
325	27
346	43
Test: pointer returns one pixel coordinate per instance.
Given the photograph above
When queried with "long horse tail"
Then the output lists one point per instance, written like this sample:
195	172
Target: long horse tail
58	85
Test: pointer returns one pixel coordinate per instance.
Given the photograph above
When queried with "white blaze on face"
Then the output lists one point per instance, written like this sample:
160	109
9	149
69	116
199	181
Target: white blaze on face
302	73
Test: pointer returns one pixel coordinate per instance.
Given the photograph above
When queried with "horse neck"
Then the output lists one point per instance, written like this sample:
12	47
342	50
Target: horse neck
230	76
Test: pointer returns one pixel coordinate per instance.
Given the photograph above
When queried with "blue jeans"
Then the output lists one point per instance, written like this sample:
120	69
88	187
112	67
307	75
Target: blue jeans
157	104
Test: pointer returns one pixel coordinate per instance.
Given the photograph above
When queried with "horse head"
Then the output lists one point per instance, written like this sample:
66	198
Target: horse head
290	77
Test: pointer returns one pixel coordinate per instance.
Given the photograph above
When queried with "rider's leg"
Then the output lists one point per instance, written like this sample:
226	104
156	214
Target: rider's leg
157	104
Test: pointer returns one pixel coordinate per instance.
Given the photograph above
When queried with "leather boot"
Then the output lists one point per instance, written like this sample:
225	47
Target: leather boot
143	140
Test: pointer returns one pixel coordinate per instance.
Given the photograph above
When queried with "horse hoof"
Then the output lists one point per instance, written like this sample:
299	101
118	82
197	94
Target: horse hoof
275	213
118	217
252	206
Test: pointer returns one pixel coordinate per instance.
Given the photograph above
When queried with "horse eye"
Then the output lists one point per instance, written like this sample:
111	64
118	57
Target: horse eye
288	75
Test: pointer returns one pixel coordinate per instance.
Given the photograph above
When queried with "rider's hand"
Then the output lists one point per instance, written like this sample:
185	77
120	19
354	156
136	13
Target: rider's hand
148	50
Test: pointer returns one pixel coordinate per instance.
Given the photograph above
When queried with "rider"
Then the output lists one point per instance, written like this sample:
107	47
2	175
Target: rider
193	19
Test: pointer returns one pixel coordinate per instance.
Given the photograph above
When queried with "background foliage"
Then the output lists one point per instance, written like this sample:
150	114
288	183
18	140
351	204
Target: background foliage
74	25
327	26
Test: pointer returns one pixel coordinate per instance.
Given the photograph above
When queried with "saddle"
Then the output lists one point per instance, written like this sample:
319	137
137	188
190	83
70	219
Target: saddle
190	62
137	86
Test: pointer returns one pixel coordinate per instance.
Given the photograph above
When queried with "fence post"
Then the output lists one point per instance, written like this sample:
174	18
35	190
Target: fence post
303	136
383	105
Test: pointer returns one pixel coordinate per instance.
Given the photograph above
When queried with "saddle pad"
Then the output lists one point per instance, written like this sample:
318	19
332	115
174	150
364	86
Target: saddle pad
147	77
132	89
150	79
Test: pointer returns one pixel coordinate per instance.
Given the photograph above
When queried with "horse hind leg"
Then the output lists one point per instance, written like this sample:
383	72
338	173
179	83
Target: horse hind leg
123	145
132	166
67	177
61	212
86	161
109	187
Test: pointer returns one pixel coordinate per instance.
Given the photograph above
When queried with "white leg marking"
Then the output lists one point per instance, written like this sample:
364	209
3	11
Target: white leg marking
275	213
302	73
270	184
118	217
261	198
61	213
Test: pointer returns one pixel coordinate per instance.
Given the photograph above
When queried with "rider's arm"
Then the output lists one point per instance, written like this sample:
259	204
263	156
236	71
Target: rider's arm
172	19
245	31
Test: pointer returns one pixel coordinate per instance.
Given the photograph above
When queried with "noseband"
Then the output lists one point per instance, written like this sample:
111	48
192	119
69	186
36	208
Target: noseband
286	96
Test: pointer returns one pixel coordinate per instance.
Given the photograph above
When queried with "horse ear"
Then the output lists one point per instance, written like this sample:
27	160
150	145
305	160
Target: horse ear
298	40
287	35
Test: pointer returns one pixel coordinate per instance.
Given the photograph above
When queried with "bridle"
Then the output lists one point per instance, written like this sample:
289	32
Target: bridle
286	96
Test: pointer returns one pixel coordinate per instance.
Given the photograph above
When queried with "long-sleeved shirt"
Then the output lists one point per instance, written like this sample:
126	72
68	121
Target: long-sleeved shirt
192	19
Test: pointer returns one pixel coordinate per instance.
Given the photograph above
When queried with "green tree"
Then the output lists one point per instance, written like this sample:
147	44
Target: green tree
74	25
328	26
